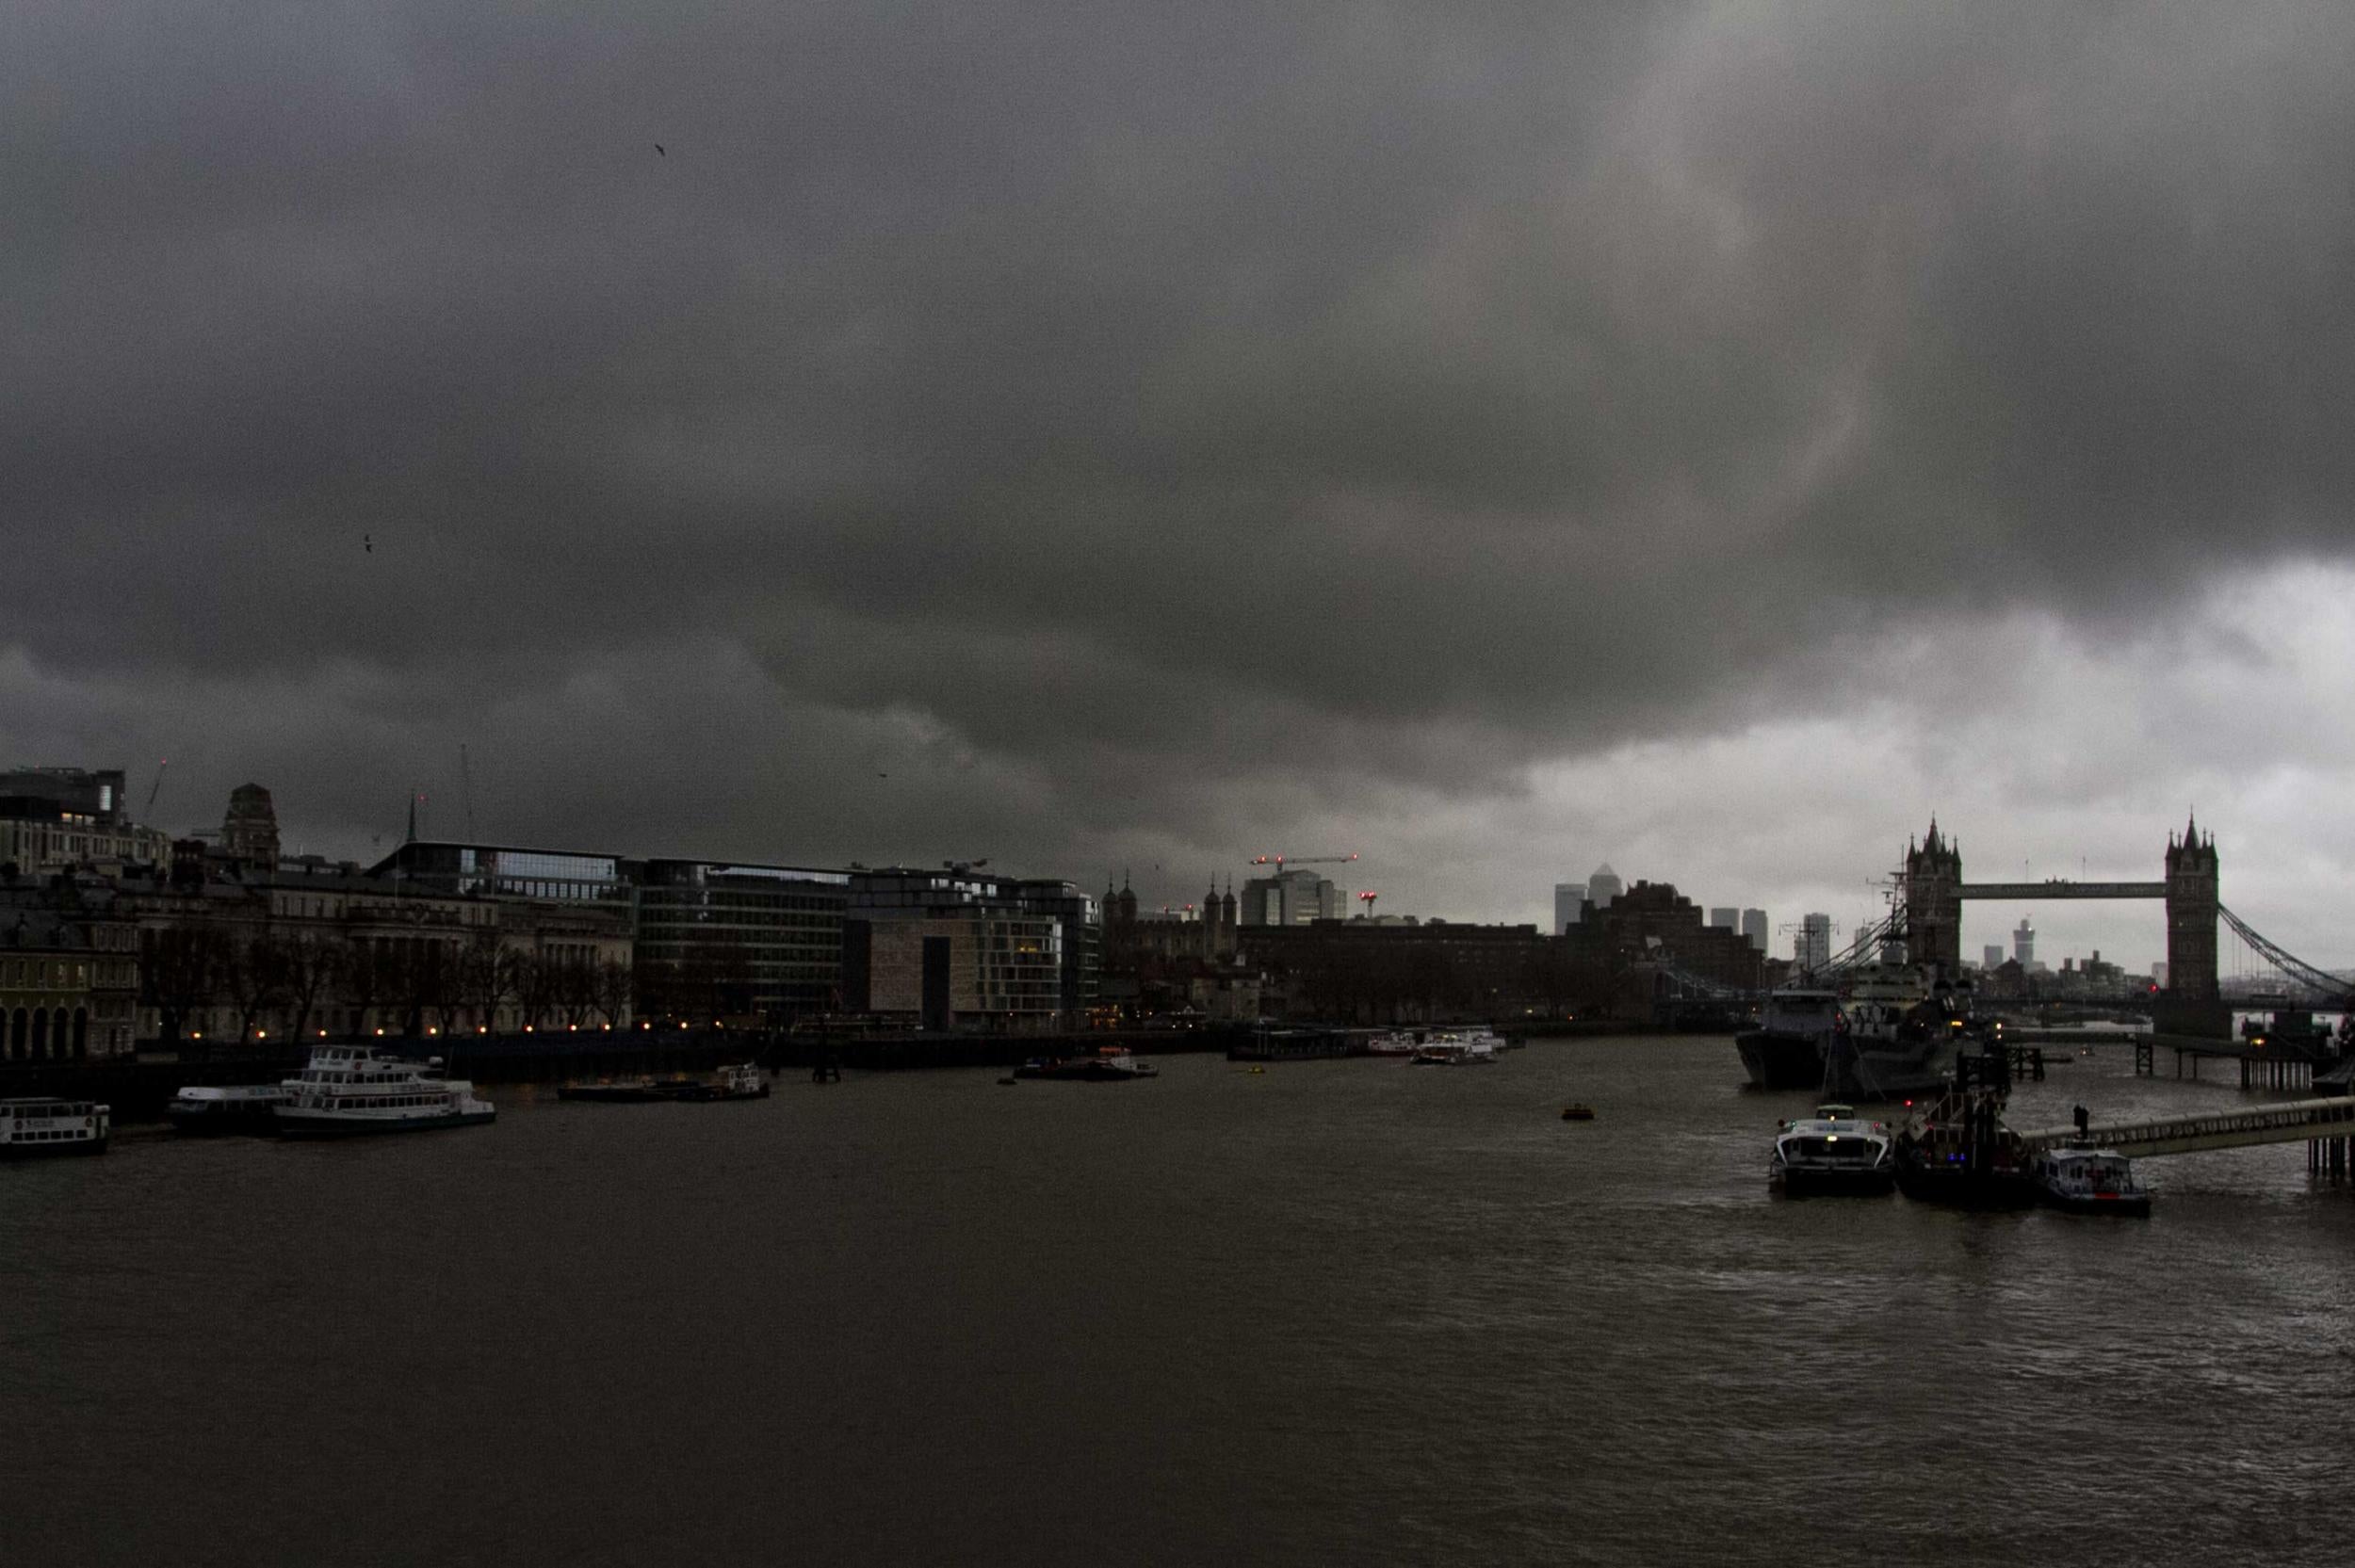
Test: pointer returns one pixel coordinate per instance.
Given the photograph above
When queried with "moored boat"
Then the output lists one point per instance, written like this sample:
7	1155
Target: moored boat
2090	1181
1897	1034
352	1090
1957	1150
1833	1151
742	1080
41	1124
1457	1050
244	1108
1785	1049
1106	1064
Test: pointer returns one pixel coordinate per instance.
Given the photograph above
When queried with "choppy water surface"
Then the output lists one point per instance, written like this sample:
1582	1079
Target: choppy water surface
1346	1311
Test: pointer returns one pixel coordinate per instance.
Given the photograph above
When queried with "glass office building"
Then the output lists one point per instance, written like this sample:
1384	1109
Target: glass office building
1021	947
761	940
500	870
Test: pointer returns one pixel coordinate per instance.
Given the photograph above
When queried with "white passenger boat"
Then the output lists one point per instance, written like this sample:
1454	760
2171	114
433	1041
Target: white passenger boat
2090	1181
1457	1050
1393	1043
230	1107
51	1126
1833	1151
349	1089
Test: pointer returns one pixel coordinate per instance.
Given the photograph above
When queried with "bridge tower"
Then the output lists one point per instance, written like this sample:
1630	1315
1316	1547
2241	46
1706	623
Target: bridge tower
1932	886
2191	903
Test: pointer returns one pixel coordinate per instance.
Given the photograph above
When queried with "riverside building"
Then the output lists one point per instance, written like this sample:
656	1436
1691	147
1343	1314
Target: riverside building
961	948
769	935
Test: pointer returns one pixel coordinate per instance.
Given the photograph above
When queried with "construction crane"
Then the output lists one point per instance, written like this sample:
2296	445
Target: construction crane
1367	900
1279	862
148	813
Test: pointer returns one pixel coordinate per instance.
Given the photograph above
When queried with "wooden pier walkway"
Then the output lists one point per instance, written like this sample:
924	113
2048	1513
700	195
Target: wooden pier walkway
2315	1121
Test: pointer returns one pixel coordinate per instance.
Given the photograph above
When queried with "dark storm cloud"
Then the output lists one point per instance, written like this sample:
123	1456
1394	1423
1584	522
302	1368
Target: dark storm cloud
1137	424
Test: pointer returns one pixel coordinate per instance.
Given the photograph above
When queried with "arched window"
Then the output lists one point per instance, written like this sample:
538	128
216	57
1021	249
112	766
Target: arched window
81	1033
40	1034
19	1032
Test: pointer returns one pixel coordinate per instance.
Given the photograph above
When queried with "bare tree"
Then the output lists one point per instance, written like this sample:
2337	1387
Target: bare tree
614	982
313	967
179	975
489	975
576	990
253	977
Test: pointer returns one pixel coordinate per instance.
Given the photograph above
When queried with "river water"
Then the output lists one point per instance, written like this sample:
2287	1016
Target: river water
1325	1311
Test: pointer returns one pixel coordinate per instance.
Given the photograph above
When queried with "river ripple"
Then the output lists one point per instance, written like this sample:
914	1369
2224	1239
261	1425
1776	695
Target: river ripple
1329	1312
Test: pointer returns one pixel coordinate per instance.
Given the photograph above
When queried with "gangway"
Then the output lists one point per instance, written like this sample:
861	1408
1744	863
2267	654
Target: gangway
2289	1122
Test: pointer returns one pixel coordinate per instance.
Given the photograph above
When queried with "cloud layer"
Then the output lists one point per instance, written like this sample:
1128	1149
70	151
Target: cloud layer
1492	440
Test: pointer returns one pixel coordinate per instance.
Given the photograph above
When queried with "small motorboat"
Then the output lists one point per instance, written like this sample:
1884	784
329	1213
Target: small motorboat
2090	1181
1578	1112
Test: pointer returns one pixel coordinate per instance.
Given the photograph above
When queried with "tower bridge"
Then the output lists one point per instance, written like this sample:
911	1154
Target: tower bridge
1935	892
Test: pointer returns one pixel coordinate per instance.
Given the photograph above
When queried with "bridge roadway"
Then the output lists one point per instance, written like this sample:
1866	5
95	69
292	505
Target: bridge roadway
2021	893
2288	1122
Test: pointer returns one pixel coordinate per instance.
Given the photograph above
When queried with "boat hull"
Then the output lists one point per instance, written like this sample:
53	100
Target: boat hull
1776	1058
61	1148
1959	1187
1804	1182
2126	1207
302	1123
220	1123
1862	1069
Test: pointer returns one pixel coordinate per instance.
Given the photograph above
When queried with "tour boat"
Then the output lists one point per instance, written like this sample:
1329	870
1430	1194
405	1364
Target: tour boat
1393	1043
1106	1064
1833	1151
1455	1050
351	1090
245	1108
50	1127
2090	1181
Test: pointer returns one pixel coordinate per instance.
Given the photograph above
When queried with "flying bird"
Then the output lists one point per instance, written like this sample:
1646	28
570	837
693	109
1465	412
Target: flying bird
367	543
659	152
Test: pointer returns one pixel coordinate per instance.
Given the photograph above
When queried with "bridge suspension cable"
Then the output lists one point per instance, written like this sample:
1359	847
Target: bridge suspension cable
2320	982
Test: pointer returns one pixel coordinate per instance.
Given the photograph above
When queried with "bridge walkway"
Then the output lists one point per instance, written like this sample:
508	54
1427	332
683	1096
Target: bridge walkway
2289	1122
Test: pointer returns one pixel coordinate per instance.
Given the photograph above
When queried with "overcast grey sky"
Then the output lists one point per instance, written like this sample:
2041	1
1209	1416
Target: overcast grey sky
1494	439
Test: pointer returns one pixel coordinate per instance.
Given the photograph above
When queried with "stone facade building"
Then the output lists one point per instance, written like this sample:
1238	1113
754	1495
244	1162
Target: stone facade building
69	980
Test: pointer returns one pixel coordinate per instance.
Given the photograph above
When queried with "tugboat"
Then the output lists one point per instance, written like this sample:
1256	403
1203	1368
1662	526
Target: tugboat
1960	1152
349	1089
1832	1151
742	1080
246	1108
33	1127
2090	1181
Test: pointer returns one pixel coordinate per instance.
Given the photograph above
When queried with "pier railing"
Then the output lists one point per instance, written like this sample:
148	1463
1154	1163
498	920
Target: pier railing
2290	1122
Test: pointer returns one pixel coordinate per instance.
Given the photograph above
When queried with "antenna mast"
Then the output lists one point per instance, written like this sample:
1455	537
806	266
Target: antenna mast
465	779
